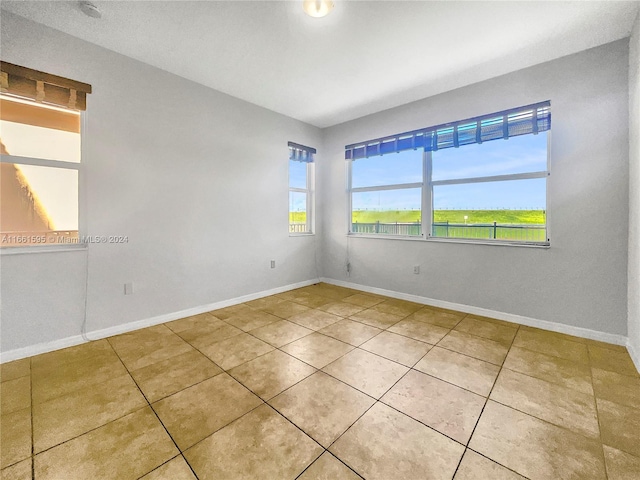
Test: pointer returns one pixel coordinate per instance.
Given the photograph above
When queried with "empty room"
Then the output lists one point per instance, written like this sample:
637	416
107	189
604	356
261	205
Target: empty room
313	239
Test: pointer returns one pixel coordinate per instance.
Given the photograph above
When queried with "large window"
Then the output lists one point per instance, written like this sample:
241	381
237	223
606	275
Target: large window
301	189
454	181
40	158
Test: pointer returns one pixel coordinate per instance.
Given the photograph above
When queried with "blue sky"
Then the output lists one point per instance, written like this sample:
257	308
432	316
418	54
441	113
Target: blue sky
526	153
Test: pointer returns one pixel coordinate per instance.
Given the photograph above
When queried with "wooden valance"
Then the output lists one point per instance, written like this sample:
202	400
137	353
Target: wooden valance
43	87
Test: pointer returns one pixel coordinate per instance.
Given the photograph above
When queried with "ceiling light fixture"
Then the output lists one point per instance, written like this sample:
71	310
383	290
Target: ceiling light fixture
90	9
317	8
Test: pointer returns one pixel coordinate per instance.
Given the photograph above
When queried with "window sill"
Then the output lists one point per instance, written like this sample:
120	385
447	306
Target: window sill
31	249
302	234
498	243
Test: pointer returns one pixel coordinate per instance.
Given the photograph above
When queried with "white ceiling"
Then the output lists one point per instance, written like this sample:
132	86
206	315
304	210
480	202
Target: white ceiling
364	57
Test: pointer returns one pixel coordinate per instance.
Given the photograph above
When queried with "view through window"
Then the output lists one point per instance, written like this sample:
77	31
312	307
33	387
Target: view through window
40	146
300	188
482	190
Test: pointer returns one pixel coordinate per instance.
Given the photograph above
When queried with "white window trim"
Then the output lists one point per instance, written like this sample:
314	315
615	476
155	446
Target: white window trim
427	202
310	192
80	167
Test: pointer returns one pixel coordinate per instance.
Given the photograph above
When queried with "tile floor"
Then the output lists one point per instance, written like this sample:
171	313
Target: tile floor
324	383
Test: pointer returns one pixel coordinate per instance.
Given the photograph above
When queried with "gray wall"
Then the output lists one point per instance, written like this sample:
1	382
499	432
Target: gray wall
195	178
634	192
582	279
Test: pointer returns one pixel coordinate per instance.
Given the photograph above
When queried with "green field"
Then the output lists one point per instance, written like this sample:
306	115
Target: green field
453	216
440	216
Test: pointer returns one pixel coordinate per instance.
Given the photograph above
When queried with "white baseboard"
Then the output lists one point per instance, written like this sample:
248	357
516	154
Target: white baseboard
508	317
39	348
634	354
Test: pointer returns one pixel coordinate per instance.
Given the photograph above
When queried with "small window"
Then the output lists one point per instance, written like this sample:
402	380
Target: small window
40	158
301	189
483	178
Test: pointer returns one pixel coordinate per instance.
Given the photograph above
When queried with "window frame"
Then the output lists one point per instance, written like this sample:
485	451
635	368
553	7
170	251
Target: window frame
426	214
78	166
309	190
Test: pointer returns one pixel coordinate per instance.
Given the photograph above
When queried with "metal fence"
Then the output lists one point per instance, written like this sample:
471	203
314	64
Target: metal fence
298	228
412	229
493	231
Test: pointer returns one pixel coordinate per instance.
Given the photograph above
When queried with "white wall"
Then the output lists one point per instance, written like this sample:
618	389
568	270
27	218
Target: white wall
196	179
634	193
581	280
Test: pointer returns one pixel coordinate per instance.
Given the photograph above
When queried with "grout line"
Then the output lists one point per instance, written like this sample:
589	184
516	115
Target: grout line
595	402
153	410
473	431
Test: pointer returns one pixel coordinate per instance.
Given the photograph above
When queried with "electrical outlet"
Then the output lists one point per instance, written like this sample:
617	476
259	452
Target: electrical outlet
273	264
128	288
416	269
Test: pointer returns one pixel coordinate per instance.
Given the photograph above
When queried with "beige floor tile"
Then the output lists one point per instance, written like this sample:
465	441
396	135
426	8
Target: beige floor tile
397	307
322	407
149	345
616	388
348	331
80	352
307	299
367	372
547	401
202	339
534	448
203	320
15	437
476	467
330	291
502	322
607	359
247	321
461	370
15	395
265	302
492	331
175	469
196	330
619	426
224	313
286	309
621	465
260	445
610	346
386	444
552	344
437	317
328	467
165	378
53	380
18	471
363	300
476	347
270	374
342	309
68	416
236	350
196	412
315	319
576	376
446	408
425	332
396	347
125	449
376	319
317	350
281	333
15	369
